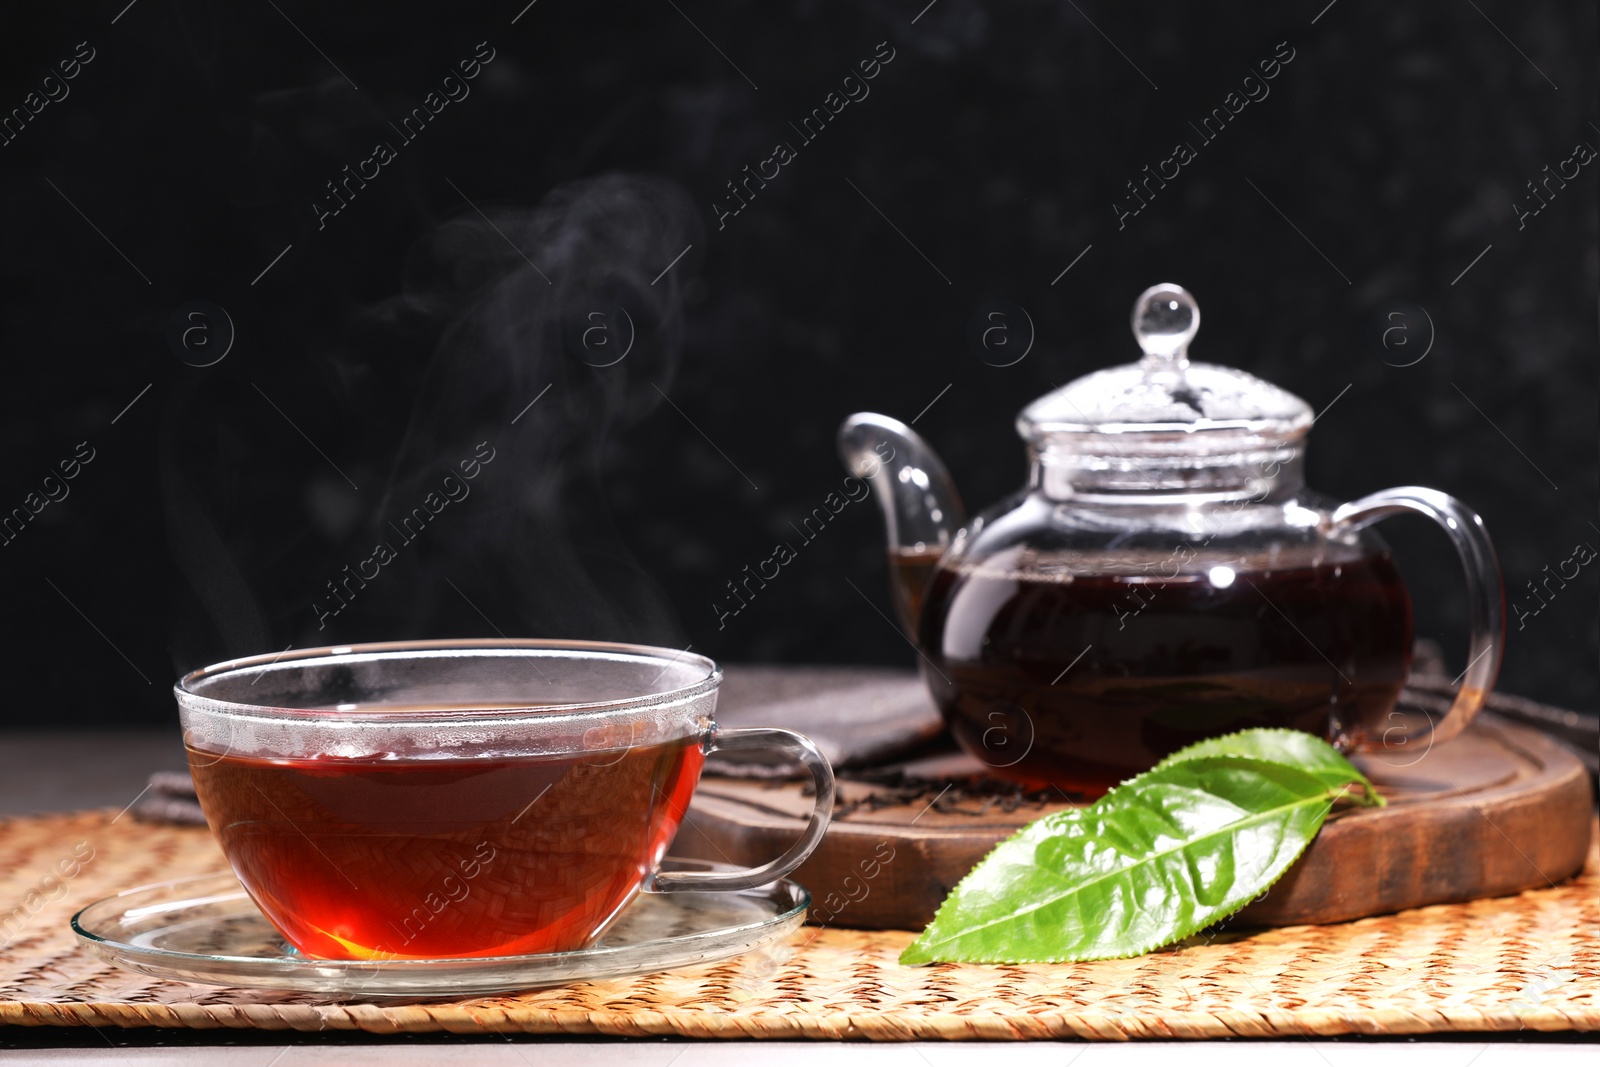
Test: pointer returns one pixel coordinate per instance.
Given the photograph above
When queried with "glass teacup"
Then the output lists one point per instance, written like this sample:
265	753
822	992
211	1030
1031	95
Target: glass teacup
440	799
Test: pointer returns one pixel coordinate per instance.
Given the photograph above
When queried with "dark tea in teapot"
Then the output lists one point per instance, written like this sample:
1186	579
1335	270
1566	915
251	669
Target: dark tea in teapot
1084	679
1163	576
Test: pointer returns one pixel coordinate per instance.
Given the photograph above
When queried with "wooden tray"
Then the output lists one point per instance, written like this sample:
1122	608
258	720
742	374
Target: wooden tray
1499	809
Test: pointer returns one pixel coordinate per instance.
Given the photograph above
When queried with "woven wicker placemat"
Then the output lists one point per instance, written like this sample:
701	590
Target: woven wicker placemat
1526	962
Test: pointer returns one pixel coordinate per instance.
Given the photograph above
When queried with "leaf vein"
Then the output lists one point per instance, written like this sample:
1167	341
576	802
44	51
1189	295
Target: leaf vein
1145	863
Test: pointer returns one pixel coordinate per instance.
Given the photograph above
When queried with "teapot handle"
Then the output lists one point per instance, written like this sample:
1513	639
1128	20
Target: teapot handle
1486	603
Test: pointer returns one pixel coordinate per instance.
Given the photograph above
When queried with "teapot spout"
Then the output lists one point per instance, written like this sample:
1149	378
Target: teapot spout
921	509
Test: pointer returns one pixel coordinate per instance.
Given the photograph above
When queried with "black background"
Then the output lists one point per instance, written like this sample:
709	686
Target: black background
381	348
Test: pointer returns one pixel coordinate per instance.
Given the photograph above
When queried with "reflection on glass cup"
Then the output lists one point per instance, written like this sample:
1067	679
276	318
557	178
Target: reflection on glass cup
437	799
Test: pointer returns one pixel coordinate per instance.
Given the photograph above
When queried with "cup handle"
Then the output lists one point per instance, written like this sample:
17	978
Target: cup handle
800	750
1486	600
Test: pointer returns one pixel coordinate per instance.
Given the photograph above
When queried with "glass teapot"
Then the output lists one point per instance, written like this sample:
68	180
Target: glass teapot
1163	576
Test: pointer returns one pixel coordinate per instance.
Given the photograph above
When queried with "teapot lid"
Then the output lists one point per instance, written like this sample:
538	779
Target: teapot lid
1208	407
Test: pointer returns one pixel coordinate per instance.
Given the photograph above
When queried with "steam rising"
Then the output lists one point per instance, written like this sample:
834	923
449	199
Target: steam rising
527	303
536	549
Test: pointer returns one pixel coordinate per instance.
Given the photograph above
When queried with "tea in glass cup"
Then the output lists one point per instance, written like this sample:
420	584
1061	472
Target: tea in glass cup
429	800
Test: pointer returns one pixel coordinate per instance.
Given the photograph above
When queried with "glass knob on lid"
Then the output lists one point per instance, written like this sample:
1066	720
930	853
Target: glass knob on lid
1165	320
1165	424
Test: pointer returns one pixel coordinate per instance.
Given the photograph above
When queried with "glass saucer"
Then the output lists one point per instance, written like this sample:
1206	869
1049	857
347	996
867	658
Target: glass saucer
206	929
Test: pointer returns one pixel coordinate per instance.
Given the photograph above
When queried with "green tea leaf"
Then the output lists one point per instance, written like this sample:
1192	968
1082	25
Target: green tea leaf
1158	858
1294	747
